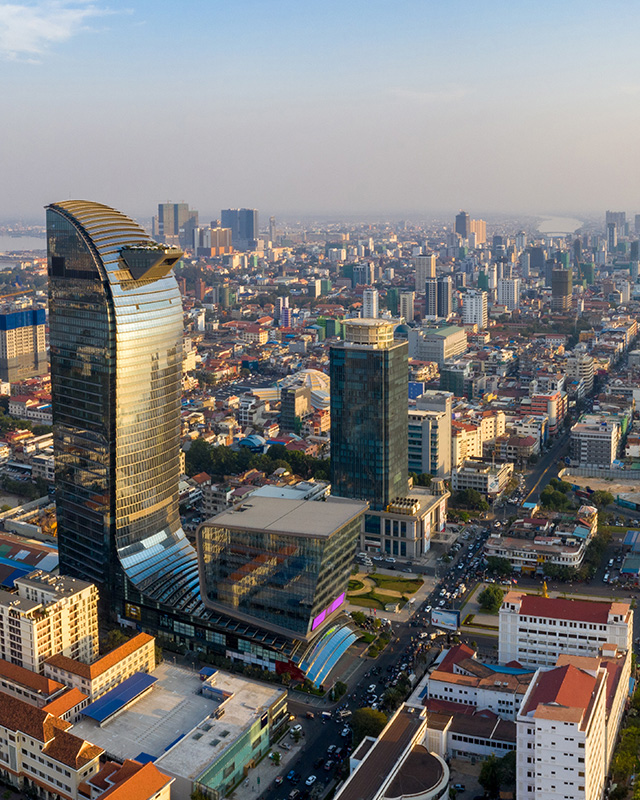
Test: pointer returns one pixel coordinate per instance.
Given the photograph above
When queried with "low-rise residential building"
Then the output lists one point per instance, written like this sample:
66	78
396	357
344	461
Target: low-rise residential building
486	478
48	614
99	677
29	686
535	630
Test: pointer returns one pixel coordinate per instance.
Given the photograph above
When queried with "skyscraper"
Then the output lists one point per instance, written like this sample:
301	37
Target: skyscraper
176	223
444	296
612	237
474	308
407	301
273	231
425	268
561	289
115	322
509	292
369	389
370	306
463	224
431	297
244	226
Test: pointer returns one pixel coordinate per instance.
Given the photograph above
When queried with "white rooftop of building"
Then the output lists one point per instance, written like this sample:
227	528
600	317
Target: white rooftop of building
174	723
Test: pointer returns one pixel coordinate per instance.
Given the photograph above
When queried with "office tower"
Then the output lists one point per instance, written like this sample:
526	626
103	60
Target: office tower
407	300
370	308
612	237
425	268
538	258
463	225
430	434
634	250
431	298
636	224
503	269
201	289
499	246
444	296
115	323
283	564
521	241
393	301
369	390
577	252
633	270
363	274
176	223
479	228
273	231
474	308
460	279
23	348
525	265
244	226
617	218
295	405
509	293
561	289
212	242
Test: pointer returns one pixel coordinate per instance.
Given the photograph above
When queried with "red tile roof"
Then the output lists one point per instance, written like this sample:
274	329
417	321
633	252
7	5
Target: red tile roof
64	703
456	654
31	680
559	608
91	671
565	686
142	785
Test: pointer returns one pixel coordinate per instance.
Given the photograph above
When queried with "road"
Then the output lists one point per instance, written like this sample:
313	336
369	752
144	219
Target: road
546	468
319	735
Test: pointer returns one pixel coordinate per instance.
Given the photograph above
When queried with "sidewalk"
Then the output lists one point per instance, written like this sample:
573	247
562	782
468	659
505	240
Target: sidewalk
264	774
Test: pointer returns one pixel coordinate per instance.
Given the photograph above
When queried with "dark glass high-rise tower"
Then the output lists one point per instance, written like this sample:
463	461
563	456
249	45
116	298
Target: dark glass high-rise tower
115	322
369	422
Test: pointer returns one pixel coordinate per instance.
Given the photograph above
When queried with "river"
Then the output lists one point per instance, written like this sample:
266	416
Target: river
559	225
17	244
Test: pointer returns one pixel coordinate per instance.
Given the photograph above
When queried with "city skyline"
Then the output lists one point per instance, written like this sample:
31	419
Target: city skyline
366	109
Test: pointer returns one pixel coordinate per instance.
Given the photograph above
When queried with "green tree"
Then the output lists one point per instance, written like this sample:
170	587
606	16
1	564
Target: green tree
359	617
367	722
601	499
276	758
490	599
499	566
114	638
507	769
490	777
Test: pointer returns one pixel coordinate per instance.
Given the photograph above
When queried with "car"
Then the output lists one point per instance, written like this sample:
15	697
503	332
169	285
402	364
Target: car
318	762
378	558
390	560
309	715
279	780
284	746
441	603
291	775
294	794
459	787
310	780
331	749
372	688
329	765
345	732
295	729
427	609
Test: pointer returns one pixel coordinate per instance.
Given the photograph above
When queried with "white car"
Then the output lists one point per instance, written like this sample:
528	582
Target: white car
310	780
372	688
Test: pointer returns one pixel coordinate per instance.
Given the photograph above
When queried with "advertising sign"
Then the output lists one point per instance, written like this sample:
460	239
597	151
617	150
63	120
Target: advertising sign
443	618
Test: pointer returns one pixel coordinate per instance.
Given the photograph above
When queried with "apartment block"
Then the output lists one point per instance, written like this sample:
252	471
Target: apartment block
96	679
561	735
39	754
535	630
437	344
48	615
128	781
594	444
430	442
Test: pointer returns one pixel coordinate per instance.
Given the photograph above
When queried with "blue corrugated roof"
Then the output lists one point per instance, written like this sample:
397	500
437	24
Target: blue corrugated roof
117	698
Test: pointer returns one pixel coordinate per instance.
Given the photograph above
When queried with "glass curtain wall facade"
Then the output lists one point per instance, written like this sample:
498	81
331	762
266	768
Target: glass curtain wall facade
115	320
369	425
286	581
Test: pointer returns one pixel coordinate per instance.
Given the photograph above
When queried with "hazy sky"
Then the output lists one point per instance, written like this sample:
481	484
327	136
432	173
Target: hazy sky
320	105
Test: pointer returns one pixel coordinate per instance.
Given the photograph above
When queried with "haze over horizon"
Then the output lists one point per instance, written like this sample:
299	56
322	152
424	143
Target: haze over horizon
297	109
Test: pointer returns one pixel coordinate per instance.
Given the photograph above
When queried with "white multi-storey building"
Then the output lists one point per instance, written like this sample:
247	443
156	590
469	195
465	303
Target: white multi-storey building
509	292
535	630
474	308
370	306
561	735
48	615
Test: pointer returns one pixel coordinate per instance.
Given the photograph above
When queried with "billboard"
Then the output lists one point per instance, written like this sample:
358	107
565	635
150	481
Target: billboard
443	618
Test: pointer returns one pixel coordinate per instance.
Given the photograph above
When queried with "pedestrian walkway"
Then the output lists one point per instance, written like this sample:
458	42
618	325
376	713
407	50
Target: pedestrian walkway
263	775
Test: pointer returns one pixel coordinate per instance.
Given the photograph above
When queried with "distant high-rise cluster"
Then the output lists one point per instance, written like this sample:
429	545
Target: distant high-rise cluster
243	223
